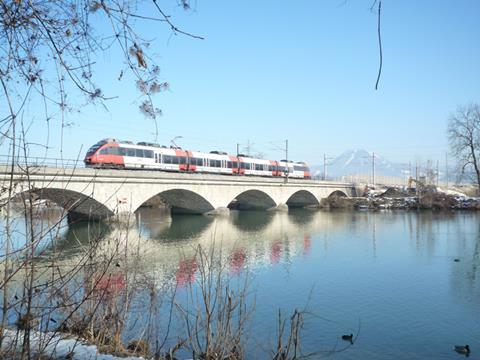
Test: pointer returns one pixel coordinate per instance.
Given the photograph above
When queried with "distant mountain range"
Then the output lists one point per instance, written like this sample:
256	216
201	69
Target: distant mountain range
360	161
358	164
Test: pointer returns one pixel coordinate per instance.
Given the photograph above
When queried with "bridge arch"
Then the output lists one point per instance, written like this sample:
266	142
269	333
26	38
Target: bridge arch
182	201
337	194
302	198
75	203
252	200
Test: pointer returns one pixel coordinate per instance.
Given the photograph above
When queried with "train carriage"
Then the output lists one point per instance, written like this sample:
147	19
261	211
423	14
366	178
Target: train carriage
254	167
301	171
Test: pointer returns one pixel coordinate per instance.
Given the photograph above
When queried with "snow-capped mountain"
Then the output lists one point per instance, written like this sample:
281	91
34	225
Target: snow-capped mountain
360	161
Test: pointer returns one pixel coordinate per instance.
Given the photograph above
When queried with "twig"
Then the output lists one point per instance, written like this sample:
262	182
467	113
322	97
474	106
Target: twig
379	44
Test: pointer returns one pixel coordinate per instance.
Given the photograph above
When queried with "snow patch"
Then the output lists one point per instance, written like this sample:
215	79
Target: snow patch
452	192
59	346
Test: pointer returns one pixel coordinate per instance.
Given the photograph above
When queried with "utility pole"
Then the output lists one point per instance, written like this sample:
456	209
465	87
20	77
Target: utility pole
446	167
286	150
238	149
409	172
373	169
326	159
286	158
437	173
416	179
324	166
249	147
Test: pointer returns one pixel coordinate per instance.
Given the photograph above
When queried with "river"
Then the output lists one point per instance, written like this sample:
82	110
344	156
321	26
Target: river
405	284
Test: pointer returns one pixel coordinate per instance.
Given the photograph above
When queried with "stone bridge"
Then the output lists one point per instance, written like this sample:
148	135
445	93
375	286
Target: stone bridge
96	193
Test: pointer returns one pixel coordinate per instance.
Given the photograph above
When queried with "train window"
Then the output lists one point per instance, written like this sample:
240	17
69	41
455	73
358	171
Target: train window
229	164
300	168
196	161
95	147
122	151
139	152
148	153
182	160
130	152
215	163
167	159
235	164
104	151
259	167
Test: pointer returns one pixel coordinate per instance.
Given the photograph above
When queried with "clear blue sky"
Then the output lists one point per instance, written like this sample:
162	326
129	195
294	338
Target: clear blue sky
297	70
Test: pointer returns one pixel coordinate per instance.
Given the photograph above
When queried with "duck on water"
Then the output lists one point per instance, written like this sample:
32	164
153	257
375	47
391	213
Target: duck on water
462	349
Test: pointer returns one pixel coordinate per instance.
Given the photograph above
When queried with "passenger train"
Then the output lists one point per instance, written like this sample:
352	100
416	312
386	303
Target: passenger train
113	154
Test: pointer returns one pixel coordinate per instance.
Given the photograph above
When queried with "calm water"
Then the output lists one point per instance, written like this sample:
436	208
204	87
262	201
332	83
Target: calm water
388	277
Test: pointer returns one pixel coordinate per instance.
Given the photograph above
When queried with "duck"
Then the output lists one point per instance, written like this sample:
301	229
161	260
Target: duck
461	349
456	260
348	338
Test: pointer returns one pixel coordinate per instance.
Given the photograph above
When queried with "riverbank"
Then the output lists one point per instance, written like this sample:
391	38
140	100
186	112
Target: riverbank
394	198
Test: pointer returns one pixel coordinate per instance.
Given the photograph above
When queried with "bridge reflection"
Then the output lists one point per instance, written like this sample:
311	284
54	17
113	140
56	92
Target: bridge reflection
167	243
246	238
253	239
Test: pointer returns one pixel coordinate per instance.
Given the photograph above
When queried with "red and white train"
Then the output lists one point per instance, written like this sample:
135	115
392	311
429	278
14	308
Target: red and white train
113	154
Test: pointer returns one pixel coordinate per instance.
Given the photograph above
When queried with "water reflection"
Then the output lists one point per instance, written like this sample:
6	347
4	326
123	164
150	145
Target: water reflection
394	270
159	224
251	221
79	235
301	216
47	225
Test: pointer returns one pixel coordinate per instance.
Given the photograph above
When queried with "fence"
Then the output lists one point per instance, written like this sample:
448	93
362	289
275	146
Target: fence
380	180
41	161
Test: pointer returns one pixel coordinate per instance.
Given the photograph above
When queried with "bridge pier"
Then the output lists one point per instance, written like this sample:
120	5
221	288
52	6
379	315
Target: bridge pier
124	217
219	211
279	207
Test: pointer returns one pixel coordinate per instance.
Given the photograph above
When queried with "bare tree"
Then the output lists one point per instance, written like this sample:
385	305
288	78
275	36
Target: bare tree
48	52
464	137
